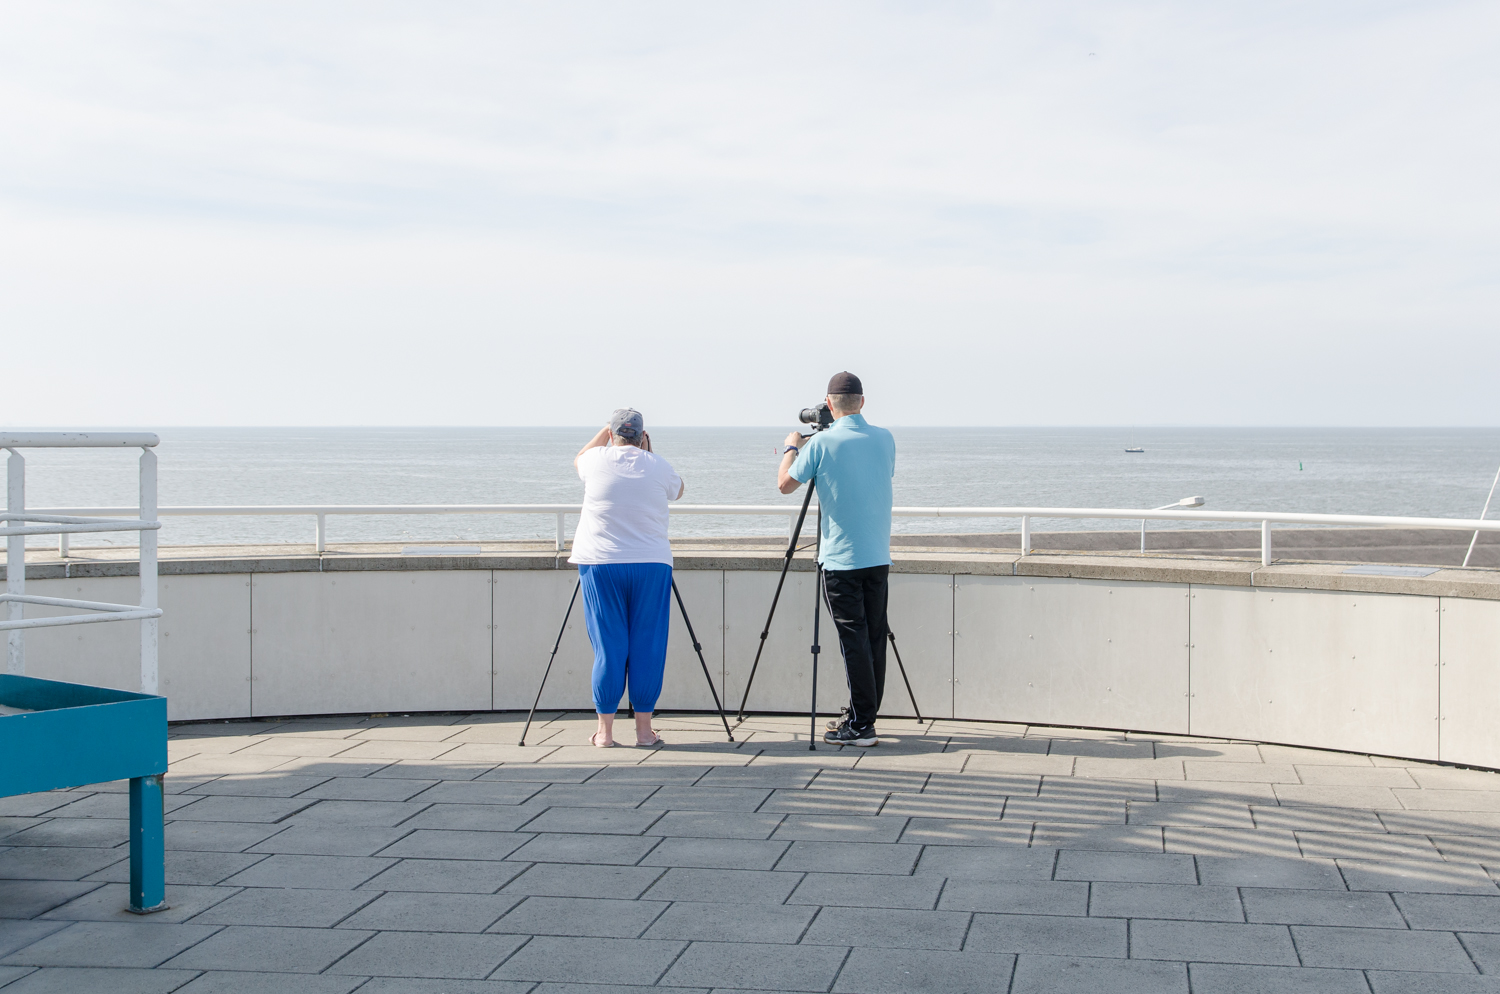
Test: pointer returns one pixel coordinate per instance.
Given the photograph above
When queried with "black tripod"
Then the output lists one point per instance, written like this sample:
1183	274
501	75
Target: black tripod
697	647
818	597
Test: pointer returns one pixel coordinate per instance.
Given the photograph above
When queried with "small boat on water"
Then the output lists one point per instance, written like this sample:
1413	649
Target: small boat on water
1135	449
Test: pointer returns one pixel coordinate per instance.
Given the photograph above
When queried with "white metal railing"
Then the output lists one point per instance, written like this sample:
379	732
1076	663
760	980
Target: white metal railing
1265	519
17	525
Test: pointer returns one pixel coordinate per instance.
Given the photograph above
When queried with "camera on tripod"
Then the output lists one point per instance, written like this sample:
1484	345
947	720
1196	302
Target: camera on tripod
819	417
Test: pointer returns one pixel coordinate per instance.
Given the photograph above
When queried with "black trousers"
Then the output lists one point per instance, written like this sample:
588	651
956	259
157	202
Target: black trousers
857	602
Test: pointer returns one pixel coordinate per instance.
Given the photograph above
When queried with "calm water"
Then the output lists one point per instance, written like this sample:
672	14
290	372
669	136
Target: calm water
1443	472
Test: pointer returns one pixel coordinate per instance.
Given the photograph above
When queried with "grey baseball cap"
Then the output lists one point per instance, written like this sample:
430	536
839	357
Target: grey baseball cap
627	423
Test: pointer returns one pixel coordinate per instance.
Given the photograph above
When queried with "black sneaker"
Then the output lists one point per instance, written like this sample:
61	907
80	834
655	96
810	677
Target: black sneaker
847	735
834	723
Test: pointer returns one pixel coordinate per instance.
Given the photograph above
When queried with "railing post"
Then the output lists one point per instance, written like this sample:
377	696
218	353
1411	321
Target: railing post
320	534
149	626
1025	534
15	562
1265	543
1143	534
561	530
62	546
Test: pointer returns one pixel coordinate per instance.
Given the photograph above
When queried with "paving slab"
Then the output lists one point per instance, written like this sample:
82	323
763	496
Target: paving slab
474	817
318	840
378	814
745	886
1320	907
1133	867
578	916
285	906
1312	818
888	928
1218	978
1231	842
1450	913
1381	949
1111	838
683	799
1418	876
593	960
840	828
450	876
1184	902
405	911
439	844
368	789
16	934
55	980
111	903
1484	947
585	880
597	821
718	824
1020	897
1051	935
30	898
188	868
867	890
415	985
898	971
1193	814
558	848
260	948
1269	872
726	854
224	982
99	833
141	944
217	836
757	966
1073	974
732	921
317	872
243	809
427	954
851	857
987	862
1212	942
824	802
966	831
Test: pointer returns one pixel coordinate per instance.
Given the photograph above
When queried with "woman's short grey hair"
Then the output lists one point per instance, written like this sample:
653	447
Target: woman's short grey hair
845	403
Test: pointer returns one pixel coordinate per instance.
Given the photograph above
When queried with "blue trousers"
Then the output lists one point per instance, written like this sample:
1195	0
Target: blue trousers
628	610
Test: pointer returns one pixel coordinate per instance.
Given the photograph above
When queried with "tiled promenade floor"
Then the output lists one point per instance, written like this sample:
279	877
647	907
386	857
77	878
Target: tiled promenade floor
429	854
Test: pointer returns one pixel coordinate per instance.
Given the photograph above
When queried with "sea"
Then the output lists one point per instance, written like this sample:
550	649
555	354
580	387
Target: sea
1430	472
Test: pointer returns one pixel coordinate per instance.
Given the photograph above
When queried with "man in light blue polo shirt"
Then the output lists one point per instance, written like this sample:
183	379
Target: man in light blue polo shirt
851	463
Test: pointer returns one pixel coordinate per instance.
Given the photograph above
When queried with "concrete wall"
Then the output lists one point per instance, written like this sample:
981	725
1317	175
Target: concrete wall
1394	673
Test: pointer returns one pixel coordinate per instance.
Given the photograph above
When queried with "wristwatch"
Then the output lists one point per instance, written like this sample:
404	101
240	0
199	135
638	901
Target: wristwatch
790	448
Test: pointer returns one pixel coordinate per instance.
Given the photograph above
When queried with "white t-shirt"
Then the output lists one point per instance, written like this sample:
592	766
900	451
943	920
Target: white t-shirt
625	494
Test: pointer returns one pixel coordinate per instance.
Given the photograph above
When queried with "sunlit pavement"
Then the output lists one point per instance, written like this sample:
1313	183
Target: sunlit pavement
432	853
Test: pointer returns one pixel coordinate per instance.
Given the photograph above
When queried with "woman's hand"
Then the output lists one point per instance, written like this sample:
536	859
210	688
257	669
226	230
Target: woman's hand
645	441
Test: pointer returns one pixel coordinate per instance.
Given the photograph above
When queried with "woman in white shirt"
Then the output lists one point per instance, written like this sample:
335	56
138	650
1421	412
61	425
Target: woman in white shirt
624	564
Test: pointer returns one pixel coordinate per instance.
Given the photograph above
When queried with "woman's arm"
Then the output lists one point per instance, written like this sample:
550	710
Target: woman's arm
602	438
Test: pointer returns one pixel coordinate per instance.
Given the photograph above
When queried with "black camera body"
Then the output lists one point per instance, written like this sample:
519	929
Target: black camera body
819	417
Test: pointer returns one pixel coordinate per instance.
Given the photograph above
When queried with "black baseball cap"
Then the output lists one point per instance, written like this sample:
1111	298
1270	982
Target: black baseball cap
845	382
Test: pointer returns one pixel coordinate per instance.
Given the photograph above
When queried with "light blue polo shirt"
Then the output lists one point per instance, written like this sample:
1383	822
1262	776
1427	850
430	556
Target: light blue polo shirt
853	462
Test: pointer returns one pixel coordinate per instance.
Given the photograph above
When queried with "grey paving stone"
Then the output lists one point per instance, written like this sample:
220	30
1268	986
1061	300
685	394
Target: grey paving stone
658	774
188	868
1270	872
584	880
1114	838
745	886
1315	819
1021	897
824	802
1391	982
269	983
31	805
596	795
1218	978
1380	949
1109	748
774	777
318	840
98	833
1072	975
542	773
1134	867
851	857
966	831
474	817
1047	934
271	784
1460	823
10	973
450	876
1320	907
413	769
1175	901
595	917
404	911
425	954
1214	792
30	898
133	944
726	854
756	966
479	792
317	872
888	928
1485	949
1457	914
1429	799
258	947
1232	842
1351	845
597	849
1096	790
412	985
368	789
1212	942
983	784
16	934
379	814
10	826
242	809
601	821
718	824
589	960
681	799
867	890
285	906
732	921
76	981
900	971
1194	814
111	902
1067	810
932	804
841	828
217	836
54	863
1418	876
1468	847
987	862
877	780
438	844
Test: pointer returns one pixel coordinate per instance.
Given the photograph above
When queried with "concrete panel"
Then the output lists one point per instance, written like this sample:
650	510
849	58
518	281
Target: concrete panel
1321	668
1470	682
1111	654
377	641
204	653
921	615
683	687
784	680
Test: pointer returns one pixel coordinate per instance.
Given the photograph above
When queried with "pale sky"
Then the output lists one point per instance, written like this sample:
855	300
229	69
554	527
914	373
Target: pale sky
327	213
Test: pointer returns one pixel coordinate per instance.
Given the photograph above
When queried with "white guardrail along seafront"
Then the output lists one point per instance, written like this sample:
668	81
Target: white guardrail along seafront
1026	515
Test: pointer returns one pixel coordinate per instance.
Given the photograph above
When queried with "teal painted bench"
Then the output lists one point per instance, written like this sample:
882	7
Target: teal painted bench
70	735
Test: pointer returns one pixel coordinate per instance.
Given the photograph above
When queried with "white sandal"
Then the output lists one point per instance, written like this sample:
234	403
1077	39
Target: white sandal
594	739
657	740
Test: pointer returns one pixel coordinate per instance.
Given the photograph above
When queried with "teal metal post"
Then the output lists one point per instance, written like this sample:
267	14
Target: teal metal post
148	883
